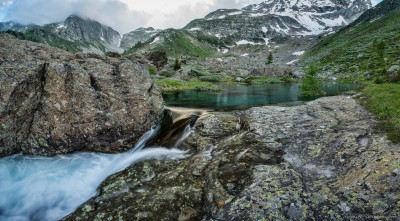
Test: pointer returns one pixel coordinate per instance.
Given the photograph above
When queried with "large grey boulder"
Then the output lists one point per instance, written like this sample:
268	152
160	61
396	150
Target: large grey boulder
54	102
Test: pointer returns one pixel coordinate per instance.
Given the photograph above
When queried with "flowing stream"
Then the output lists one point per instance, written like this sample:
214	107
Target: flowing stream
49	188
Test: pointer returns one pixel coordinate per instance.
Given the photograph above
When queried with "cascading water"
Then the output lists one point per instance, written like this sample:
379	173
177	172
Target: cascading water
49	188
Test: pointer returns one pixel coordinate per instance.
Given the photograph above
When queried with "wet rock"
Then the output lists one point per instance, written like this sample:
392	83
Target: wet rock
318	161
54	102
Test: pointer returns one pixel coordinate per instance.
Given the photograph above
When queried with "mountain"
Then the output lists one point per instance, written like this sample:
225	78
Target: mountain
73	34
139	35
377	12
367	47
285	28
175	43
259	23
4	26
75	28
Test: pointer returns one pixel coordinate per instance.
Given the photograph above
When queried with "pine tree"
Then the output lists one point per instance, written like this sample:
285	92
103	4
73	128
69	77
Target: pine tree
270	58
177	65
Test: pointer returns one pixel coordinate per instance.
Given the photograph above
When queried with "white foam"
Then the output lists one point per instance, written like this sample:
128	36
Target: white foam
51	188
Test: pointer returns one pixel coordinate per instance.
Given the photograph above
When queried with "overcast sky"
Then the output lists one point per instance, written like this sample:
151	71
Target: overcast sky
122	15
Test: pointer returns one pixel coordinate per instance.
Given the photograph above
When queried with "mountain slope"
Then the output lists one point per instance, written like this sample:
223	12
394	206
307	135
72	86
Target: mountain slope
275	18
368	46
175	43
73	34
139	35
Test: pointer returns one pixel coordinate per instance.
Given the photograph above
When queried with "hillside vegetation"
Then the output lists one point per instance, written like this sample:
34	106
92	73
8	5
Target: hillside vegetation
358	51
175	43
368	50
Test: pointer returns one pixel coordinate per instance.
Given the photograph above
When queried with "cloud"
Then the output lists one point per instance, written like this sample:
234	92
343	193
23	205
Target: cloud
5	3
375	2
122	15
113	13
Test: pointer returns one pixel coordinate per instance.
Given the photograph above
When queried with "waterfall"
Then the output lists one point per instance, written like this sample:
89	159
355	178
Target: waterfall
49	188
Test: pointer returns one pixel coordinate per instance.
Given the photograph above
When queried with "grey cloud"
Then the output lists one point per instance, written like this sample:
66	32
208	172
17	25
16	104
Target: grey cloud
109	12
5	3
185	13
113	13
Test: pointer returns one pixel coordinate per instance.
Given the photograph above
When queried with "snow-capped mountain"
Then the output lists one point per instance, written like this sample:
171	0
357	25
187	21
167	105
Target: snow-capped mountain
277	18
139	35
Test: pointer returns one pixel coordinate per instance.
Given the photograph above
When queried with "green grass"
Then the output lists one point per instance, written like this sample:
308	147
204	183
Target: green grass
169	84
338	53
384	101
266	80
176	43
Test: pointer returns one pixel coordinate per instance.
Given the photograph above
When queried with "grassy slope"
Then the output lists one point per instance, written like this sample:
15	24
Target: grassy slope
176	43
384	101
338	53
46	35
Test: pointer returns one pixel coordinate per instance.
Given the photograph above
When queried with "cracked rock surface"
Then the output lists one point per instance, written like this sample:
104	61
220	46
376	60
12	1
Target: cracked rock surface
54	102
318	161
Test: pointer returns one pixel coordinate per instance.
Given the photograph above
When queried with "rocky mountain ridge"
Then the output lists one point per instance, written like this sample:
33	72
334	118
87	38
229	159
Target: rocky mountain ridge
74	34
139	35
75	28
353	51
262	22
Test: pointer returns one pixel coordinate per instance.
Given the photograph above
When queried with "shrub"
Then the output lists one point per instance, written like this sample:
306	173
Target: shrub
152	70
211	78
167	73
177	65
310	86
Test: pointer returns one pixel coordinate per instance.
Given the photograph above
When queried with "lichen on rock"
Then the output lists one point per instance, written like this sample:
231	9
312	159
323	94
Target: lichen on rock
318	161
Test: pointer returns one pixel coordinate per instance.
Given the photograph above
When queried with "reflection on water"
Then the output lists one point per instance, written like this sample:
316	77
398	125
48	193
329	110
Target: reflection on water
244	96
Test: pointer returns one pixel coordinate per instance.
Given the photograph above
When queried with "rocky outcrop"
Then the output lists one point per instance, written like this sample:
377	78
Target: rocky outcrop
75	28
54	102
318	161
139	35
273	70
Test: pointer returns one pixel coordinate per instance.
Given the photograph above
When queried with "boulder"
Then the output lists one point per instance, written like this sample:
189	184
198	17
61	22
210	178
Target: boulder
394	69
394	73
54	102
158	58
